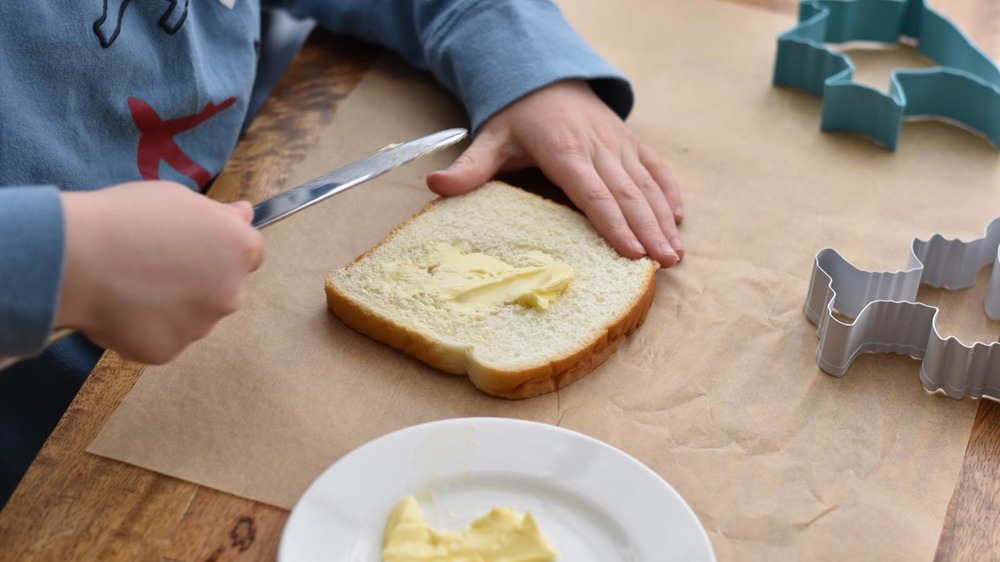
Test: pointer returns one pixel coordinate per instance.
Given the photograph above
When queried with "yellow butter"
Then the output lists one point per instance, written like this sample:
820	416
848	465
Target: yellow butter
476	282
502	535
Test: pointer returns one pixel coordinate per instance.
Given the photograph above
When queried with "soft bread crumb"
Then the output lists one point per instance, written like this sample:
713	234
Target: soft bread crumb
512	351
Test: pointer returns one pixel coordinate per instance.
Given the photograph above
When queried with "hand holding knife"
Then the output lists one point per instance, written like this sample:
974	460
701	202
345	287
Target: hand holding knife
303	196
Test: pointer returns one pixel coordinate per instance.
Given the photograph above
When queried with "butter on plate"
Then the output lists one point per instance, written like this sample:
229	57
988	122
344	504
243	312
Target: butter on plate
502	535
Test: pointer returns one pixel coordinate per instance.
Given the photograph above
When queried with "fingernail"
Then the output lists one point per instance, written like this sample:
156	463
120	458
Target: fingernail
667	250
636	245
679	210
677	244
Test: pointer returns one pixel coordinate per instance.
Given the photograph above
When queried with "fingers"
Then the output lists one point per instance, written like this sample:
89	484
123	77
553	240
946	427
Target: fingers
624	200
183	265
251	244
476	166
664	177
629	194
255	250
621	198
644	209
659	205
242	209
590	194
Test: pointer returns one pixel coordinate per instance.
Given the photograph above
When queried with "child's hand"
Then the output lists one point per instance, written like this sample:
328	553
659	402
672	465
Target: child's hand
629	194
152	266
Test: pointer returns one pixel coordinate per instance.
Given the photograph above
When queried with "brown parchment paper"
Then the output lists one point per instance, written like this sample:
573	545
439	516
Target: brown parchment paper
718	392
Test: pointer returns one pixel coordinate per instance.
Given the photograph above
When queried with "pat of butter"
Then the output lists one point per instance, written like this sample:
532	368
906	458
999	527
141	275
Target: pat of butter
502	535
476	282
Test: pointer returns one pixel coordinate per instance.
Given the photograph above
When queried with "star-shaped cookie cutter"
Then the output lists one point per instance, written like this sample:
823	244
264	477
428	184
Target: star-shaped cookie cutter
882	314
965	87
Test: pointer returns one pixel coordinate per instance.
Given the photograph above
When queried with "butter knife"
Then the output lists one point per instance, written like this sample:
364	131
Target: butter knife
342	179
308	194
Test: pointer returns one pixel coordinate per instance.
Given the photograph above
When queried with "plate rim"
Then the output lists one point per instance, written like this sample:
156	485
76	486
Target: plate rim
476	421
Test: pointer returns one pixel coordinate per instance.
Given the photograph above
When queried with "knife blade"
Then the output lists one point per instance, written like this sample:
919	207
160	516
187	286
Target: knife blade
353	174
308	194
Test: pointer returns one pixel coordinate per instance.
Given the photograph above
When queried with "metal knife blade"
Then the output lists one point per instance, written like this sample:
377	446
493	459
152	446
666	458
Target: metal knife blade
342	179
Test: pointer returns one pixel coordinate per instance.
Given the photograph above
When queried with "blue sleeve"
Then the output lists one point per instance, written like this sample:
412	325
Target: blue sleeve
31	267
489	53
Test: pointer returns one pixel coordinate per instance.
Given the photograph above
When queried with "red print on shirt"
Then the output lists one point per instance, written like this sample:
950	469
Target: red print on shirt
156	140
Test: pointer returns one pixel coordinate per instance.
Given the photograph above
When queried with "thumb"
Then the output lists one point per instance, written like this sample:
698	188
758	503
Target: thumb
476	166
242	209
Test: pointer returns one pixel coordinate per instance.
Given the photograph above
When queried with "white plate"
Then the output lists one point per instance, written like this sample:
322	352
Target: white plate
594	502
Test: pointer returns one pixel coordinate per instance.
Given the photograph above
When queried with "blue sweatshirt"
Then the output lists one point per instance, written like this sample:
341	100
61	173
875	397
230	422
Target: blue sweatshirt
102	92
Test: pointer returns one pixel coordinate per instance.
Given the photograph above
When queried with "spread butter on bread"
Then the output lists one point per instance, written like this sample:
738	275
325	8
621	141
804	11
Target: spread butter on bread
517	292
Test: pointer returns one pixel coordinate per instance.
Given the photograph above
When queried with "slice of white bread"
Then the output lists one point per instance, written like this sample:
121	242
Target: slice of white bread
510	350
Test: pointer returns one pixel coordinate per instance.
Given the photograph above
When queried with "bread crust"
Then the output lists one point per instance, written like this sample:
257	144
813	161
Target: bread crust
518	384
506	384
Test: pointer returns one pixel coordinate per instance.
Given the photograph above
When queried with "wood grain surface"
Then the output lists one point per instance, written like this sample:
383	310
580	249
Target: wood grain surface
76	506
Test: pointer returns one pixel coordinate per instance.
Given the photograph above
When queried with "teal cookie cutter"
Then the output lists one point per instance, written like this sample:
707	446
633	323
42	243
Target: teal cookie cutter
965	87
858	311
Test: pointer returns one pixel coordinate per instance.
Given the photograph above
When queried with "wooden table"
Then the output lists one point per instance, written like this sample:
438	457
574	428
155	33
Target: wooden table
76	506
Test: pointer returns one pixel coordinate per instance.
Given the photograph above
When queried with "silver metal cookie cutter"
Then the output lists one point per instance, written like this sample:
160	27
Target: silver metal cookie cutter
882	314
